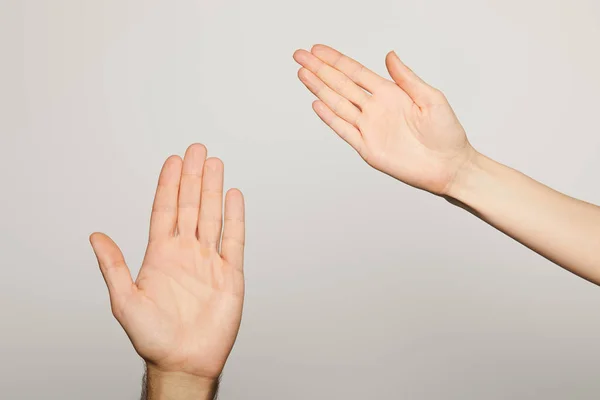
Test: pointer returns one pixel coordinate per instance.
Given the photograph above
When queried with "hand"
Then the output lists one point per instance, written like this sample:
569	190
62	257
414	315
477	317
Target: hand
404	128
183	312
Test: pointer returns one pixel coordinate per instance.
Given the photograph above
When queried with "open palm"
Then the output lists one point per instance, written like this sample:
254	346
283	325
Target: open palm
183	312
404	128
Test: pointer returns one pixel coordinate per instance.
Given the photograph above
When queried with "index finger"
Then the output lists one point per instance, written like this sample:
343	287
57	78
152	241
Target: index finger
354	70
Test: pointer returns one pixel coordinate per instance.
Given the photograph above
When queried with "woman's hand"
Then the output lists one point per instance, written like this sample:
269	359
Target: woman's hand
404	127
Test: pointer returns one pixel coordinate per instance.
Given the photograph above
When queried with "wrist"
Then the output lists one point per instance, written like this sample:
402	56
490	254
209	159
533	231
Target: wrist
162	385
467	176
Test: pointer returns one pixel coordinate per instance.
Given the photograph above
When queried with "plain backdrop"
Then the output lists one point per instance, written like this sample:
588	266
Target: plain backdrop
357	285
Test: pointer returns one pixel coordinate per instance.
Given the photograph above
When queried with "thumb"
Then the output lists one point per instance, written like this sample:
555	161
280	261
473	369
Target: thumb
419	91
113	268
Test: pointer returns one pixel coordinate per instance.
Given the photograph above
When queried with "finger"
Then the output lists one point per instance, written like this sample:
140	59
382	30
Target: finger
232	246
334	101
419	91
332	78
344	130
189	190
114	270
354	70
164	209
211	204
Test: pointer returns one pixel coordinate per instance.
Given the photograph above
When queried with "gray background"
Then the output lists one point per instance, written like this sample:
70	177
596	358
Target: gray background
358	286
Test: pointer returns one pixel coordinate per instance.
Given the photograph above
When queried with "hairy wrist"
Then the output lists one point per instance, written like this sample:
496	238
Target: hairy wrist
174	385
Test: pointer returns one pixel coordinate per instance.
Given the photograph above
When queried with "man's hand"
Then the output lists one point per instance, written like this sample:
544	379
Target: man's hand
183	312
404	128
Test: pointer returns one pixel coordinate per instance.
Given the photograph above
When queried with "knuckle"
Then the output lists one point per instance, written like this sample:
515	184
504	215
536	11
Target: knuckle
189	205
234	240
163	208
357	72
212	192
191	175
234	220
358	121
338	60
336	106
211	218
342	83
167	187
116	264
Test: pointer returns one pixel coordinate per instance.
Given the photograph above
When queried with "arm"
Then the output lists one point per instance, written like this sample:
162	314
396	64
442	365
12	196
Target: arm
563	229
183	312
407	129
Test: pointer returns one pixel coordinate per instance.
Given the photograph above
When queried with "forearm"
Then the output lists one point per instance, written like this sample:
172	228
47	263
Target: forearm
160	385
563	229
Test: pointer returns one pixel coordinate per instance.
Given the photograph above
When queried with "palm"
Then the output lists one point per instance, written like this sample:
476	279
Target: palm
183	312
415	144
415	138
192	301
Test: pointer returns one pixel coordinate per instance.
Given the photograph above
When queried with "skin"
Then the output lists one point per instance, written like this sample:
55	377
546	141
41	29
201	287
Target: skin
406	128
183	312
